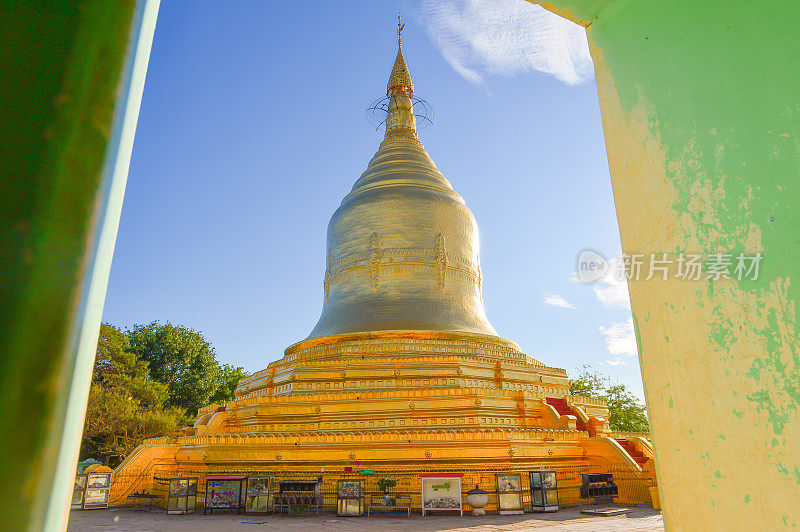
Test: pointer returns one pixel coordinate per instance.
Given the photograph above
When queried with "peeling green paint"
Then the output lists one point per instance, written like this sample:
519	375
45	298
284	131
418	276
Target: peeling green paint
780	396
706	98
638	336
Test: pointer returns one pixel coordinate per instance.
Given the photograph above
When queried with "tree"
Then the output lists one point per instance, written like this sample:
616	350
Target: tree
125	406
227	379
181	359
588	383
625	413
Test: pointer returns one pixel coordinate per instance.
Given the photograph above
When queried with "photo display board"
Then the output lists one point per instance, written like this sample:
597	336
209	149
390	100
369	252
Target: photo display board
98	488
260	492
224	492
544	491
441	493
350	497
181	494
78	492
509	493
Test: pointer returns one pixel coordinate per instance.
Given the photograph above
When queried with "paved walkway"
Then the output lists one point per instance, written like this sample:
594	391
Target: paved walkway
640	519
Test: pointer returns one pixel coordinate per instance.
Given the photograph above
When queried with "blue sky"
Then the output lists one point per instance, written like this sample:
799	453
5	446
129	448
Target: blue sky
252	130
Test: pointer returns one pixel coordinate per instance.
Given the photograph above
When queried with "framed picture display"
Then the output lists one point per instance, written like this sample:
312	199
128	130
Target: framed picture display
441	493
98	487
95	498
223	492
98	480
350	497
260	495
544	491
77	500
509	493
179	495
78	492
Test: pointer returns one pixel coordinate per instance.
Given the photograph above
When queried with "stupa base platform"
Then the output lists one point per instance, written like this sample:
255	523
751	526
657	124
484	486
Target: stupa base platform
397	404
402	455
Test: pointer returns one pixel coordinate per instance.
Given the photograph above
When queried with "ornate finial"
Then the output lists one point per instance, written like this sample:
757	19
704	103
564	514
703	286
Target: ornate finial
396	111
399	31
400	78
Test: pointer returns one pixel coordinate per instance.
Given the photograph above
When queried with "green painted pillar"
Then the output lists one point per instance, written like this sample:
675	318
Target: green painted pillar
71	78
701	110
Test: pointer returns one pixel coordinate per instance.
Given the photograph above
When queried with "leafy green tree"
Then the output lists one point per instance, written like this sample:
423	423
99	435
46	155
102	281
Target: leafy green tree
625	412
181	359
125	406
228	379
588	383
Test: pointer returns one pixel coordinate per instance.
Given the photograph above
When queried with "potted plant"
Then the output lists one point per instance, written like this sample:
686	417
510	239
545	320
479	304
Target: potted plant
384	484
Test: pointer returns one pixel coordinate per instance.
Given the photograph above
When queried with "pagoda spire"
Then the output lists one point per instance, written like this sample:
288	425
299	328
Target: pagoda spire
401	120
400	78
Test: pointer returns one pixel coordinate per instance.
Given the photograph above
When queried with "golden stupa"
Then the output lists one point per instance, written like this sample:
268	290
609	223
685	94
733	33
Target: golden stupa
403	373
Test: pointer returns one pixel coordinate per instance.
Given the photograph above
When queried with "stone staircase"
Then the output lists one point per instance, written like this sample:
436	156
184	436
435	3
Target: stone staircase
563	409
638	456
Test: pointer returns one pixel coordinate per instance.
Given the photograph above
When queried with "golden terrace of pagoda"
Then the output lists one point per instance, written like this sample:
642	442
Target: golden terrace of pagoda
403	373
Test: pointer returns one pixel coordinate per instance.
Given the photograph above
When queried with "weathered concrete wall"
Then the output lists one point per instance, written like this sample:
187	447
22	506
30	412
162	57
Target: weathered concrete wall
701	111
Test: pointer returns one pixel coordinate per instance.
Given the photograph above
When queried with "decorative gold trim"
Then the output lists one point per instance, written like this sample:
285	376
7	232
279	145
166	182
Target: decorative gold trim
441	262
374	262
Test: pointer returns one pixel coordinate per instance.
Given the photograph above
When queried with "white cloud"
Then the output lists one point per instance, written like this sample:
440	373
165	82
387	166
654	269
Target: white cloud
616	362
558	301
613	294
620	339
612	289
506	37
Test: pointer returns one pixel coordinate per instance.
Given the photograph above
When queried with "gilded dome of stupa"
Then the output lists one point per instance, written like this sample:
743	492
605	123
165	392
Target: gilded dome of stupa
402	248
